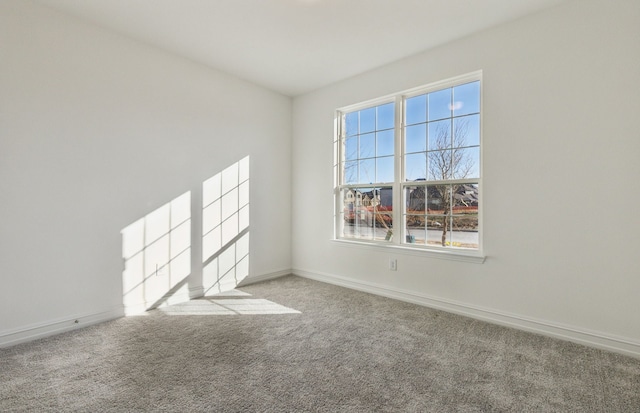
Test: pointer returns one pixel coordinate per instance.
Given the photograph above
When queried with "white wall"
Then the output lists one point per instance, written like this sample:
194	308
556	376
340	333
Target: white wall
561	143
96	131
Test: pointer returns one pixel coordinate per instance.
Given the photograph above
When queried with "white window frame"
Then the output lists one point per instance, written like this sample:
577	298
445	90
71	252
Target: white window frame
399	183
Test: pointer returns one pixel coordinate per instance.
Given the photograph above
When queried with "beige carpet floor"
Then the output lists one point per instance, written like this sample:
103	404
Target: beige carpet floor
296	345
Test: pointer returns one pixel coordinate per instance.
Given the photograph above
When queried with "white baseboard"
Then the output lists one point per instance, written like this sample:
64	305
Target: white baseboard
251	279
41	330
578	335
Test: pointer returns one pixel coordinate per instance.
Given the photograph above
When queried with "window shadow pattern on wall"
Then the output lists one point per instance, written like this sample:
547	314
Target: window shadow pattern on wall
157	256
225	228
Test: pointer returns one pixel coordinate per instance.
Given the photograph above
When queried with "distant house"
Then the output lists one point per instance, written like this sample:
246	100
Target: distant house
381	197
464	196
359	204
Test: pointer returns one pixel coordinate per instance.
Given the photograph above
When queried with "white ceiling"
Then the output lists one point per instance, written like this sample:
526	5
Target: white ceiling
295	46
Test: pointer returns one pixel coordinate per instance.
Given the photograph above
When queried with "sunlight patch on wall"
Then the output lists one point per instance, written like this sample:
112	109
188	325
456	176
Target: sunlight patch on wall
157	254
225	228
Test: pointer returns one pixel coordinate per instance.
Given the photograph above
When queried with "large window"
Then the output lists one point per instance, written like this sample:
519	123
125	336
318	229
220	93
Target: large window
408	168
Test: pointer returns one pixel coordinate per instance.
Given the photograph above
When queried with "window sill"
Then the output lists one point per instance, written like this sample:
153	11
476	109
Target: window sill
465	256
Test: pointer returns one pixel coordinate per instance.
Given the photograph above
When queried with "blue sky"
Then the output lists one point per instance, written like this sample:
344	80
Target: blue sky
369	143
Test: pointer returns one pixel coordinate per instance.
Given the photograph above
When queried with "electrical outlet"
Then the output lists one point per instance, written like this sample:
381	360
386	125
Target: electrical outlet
393	264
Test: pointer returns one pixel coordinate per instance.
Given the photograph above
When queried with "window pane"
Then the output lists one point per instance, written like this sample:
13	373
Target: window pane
351	123
386	198
416	199
350	172
367	120
352	212
384	169
439	104
466	99
351	148
416	138
382	226
466	131
348	229
439	163
367	171
366	213
439	135
367	146
465	198
381	209
416	230
384	143
357	222
437	230
465	163
348	200
415	166
438	199
386	116
416	110
464	231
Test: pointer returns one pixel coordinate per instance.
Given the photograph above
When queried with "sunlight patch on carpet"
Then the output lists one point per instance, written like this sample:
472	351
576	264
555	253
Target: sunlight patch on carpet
234	302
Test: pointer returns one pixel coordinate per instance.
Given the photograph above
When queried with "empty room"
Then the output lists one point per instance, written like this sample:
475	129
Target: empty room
319	205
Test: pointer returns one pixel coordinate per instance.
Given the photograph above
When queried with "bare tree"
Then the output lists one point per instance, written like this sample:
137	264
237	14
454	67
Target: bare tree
446	160
380	218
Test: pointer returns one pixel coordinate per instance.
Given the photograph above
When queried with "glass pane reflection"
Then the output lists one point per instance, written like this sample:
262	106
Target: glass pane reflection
439	104
466	99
